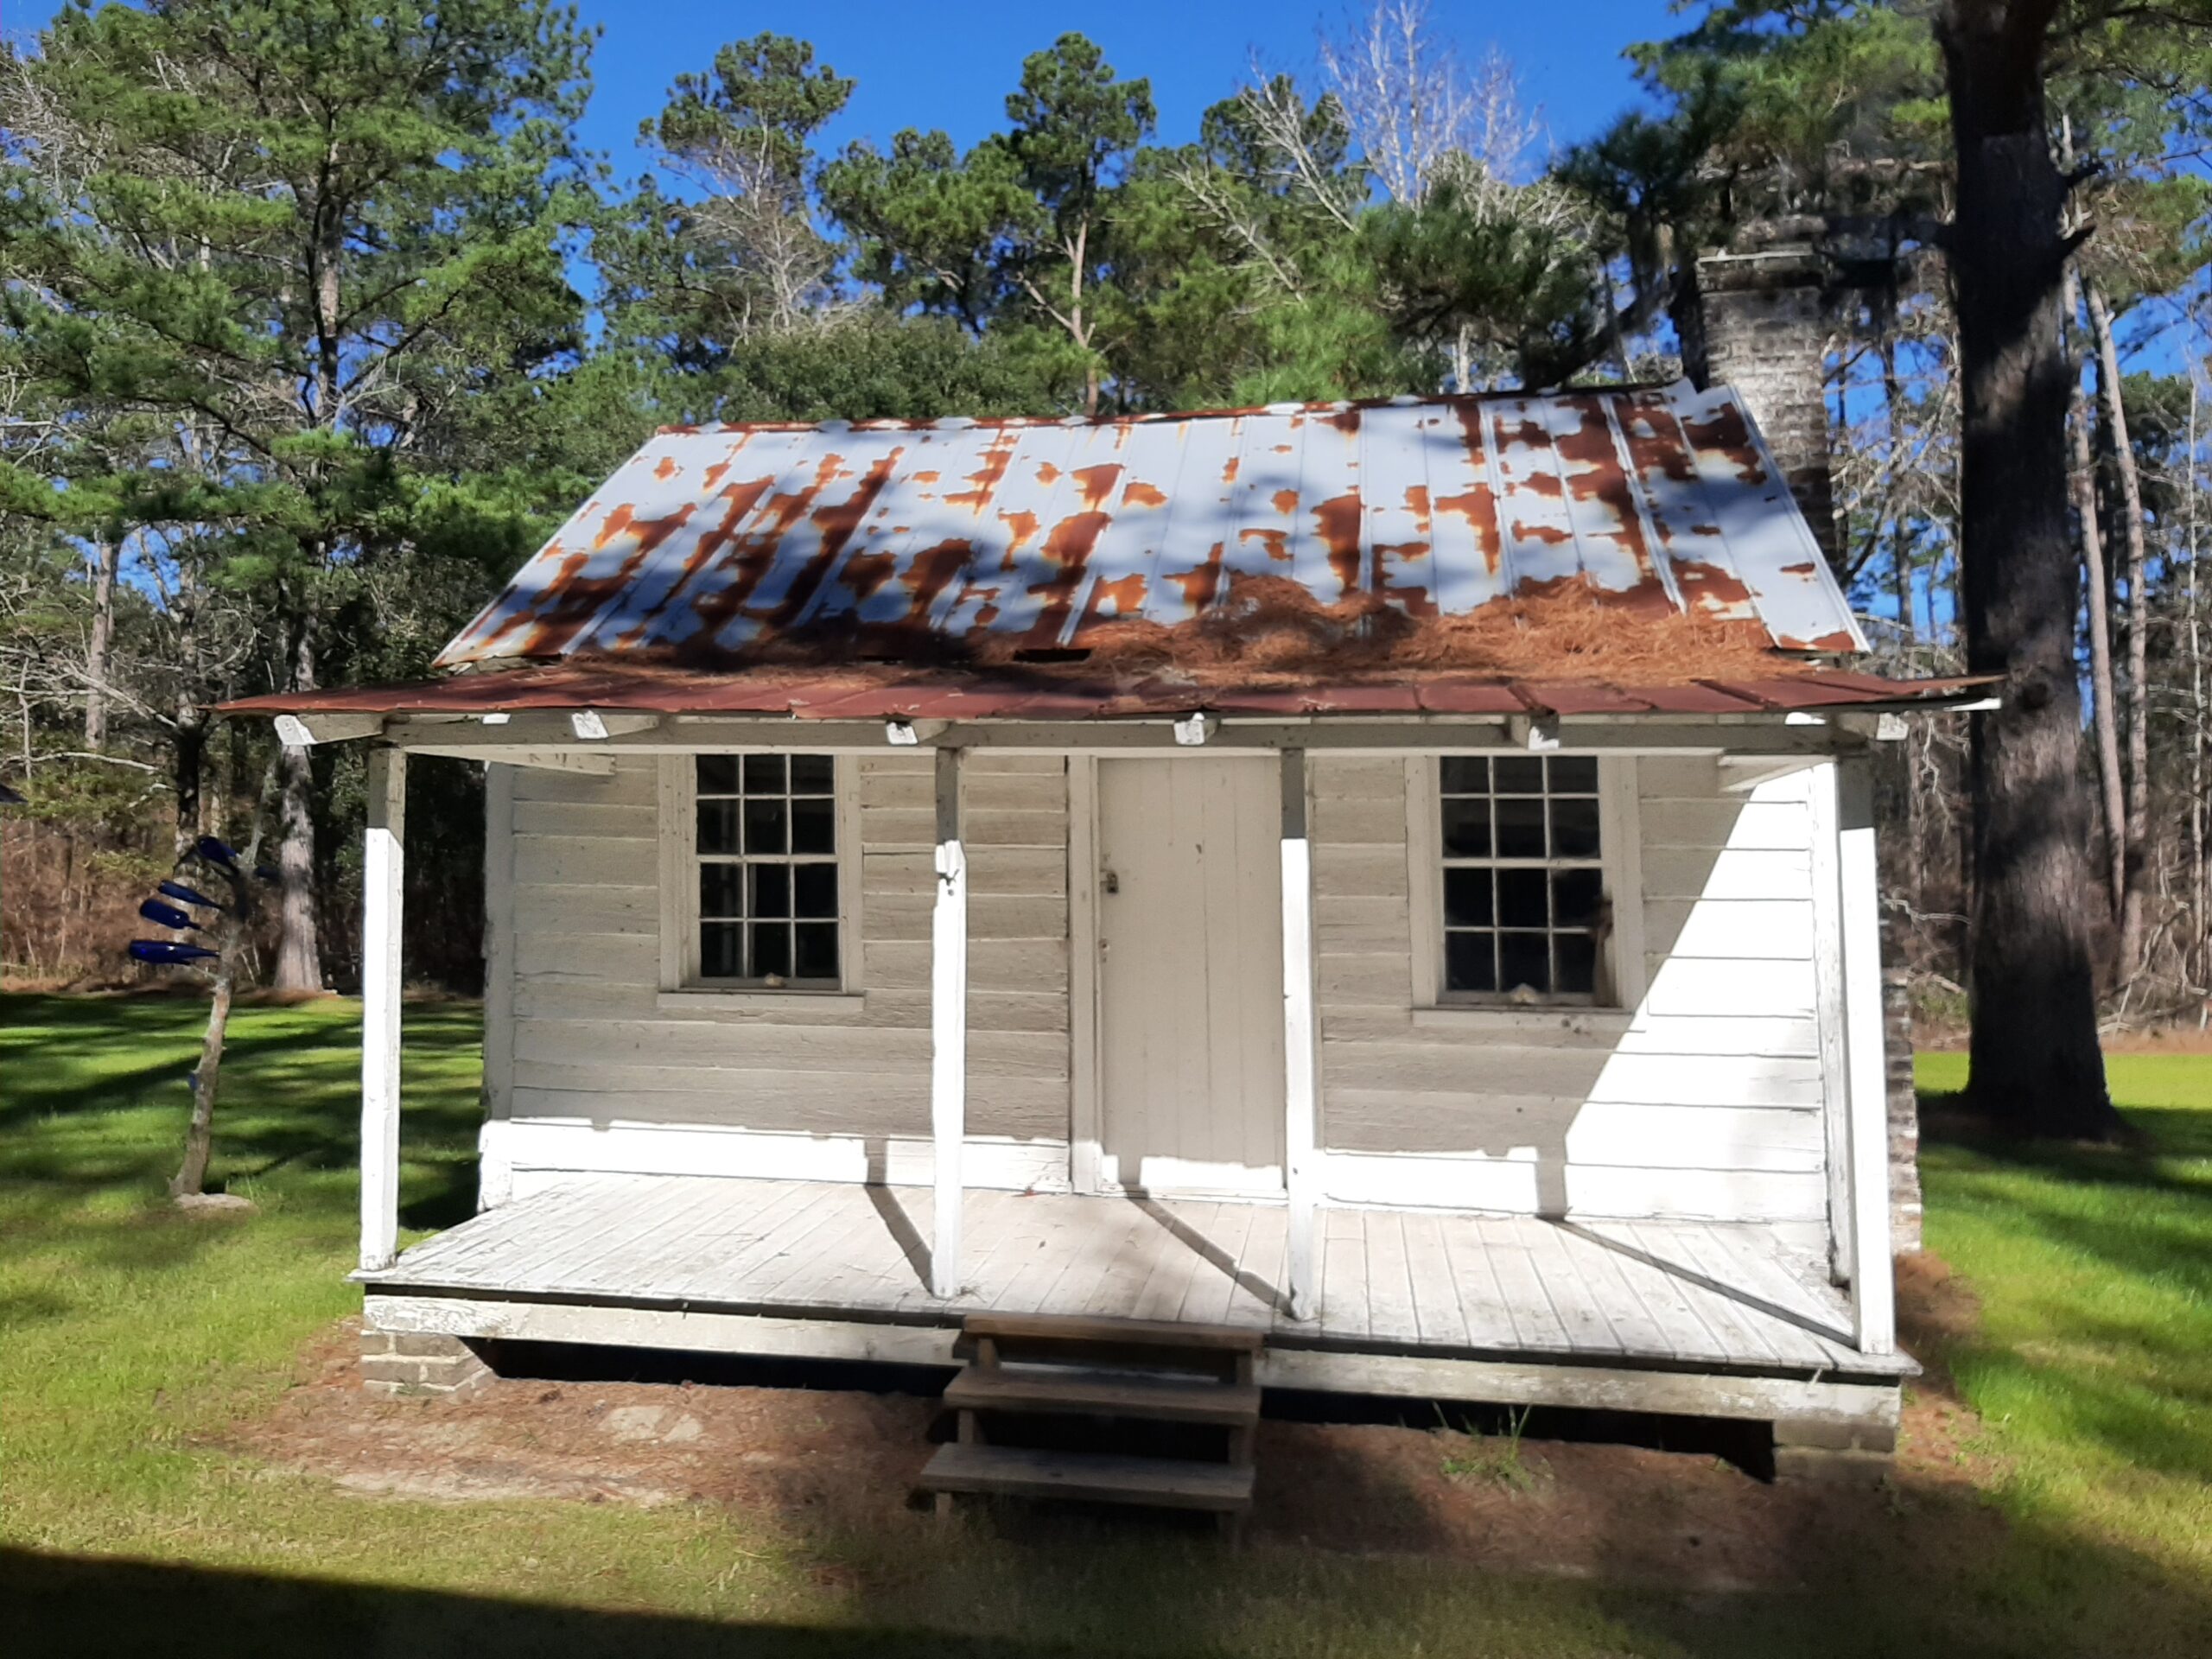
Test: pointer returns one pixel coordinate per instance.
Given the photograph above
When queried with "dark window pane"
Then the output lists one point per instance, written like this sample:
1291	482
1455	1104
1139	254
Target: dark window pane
764	774
1465	775
765	828
1578	964
1574	774
772	890
1467	898
771	948
1575	829
1523	961
814	825
1466	827
814	889
1520	827
1468	964
718	774
1520	774
818	951
718	826
1576	897
812	774
721	890
1521	899
718	951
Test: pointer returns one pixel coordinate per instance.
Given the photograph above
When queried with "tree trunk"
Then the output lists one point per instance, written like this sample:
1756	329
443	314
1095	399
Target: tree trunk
190	742
189	749
2200	900
2103	711
298	954
101	647
200	1133
2138	871
2034	1065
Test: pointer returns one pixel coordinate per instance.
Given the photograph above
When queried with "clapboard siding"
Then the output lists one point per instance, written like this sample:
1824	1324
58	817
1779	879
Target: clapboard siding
596	1038
1708	1103
1704	1101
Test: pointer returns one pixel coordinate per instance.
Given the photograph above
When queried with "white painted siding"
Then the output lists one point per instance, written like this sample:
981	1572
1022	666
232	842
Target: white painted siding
1705	1102
594	1040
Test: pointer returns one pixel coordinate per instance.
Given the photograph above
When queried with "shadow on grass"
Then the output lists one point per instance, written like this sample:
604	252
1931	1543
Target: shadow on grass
70	1606
95	1102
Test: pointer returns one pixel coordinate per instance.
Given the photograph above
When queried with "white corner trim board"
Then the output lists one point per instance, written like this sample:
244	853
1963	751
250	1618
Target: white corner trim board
948	1028
383	889
531	1154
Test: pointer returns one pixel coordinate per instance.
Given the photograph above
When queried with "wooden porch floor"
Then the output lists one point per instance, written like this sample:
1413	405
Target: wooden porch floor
1673	1295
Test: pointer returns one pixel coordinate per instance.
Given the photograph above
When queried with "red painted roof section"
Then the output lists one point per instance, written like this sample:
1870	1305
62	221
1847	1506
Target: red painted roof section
857	694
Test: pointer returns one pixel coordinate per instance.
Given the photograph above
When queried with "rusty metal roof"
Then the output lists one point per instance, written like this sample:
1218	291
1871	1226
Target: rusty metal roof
721	545
885	693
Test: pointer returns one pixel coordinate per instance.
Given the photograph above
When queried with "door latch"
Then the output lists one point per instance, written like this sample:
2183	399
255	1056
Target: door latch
1113	882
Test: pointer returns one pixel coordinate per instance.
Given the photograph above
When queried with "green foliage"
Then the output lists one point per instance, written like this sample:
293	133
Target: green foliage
1516	289
738	253
314	264
929	224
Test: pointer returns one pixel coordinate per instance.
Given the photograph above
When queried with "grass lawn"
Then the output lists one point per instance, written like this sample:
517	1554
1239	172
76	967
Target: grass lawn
132	1338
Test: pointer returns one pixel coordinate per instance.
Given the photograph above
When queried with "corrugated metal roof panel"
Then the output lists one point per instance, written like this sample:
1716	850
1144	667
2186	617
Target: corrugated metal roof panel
949	540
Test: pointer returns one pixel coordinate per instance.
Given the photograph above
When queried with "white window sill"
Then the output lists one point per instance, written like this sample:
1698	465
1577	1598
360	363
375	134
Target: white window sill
708	999
1535	1021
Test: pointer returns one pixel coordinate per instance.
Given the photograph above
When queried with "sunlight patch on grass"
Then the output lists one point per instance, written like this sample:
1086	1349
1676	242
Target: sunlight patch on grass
2093	1368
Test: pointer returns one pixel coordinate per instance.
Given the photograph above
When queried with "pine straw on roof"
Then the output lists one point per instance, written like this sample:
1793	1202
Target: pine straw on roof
1273	633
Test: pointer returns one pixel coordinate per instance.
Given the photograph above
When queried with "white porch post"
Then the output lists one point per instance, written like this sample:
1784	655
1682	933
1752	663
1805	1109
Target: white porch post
1301	1096
1874	1292
382	869
948	1026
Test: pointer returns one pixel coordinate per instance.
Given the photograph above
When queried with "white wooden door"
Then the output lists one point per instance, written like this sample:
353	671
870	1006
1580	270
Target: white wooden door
1190	924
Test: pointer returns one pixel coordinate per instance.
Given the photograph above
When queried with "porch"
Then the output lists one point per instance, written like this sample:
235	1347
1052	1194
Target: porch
1660	1316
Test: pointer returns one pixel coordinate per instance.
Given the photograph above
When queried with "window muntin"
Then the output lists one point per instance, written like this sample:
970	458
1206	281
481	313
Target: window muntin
1525	910
764	849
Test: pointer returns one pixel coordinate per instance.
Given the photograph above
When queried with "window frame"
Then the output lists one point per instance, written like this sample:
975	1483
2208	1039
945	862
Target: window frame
679	881
1622	970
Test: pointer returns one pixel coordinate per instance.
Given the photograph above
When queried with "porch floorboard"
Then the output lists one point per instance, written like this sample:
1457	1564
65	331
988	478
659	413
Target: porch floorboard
1675	1295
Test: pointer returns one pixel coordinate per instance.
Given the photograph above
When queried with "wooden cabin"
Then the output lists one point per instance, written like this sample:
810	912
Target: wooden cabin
1398	878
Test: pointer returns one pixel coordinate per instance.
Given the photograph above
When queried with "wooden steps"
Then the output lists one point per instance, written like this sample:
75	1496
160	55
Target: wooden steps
1095	1381
1094	1477
1148	1398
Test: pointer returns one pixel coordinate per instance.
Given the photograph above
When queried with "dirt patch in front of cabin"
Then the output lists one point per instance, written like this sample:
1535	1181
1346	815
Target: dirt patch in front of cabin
841	1461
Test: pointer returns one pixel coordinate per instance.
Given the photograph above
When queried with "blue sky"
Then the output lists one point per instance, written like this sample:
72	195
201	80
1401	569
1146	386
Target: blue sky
931	65
925	65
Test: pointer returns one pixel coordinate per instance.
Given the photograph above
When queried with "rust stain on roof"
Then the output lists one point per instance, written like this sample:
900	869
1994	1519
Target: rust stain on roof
723	545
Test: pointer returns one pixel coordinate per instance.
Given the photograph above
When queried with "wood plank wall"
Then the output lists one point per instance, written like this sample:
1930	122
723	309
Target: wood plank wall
593	1040
1707	1106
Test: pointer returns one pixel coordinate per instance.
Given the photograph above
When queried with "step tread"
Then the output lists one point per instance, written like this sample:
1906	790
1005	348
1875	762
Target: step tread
1162	1483
1148	1333
1118	1395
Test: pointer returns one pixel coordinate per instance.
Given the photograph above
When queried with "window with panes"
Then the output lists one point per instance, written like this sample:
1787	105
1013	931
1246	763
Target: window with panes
766	845
1525	911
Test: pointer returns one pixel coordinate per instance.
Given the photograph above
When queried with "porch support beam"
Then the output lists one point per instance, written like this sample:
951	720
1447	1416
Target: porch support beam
383	871
947	1027
1301	1172
1874	1292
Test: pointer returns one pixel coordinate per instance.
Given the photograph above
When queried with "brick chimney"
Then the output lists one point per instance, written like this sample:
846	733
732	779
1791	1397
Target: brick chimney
1756	322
